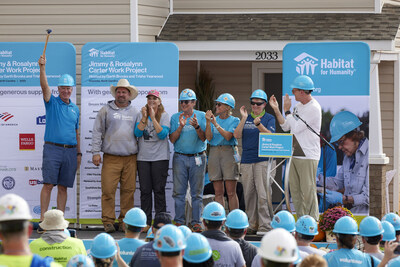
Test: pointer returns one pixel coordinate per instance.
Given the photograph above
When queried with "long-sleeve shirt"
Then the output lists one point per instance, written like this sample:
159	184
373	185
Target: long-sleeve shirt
309	142
113	130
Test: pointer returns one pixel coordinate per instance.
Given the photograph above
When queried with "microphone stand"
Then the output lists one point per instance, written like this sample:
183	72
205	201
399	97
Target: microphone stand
325	142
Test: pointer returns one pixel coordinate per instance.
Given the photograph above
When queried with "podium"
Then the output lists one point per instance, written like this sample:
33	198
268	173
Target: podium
278	145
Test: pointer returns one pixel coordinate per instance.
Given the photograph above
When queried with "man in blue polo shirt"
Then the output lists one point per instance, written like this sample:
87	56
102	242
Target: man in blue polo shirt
189	160
61	151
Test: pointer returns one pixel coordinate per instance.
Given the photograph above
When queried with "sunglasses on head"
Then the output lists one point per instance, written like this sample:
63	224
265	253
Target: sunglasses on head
185	101
256	103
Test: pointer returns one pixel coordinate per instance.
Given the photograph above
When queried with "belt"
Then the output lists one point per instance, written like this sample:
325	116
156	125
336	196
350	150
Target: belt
60	145
191	155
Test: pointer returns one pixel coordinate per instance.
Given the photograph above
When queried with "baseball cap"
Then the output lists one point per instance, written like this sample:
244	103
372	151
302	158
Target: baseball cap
154	93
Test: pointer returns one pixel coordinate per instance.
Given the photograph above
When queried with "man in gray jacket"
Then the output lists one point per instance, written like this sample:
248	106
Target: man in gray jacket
113	134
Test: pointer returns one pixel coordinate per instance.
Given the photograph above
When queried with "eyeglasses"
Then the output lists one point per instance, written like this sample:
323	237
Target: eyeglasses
218	104
256	103
340	141
185	101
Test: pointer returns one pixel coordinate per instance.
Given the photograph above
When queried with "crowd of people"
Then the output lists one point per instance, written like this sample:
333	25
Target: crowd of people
128	140
221	244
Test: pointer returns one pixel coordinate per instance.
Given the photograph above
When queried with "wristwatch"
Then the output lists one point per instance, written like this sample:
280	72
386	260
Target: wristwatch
287	112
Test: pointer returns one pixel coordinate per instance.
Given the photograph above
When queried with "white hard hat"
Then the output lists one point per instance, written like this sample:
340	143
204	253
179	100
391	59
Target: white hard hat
278	245
13	207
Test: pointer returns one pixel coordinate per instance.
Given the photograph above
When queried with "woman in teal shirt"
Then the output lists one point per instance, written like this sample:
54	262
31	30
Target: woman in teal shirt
223	156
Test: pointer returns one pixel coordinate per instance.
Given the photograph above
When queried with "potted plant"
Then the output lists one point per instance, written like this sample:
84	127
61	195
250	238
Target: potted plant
328	219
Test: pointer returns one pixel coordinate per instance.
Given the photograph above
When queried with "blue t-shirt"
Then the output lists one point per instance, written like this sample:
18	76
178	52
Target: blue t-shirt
348	258
229	124
145	256
250	138
331	162
188	141
127	247
62	121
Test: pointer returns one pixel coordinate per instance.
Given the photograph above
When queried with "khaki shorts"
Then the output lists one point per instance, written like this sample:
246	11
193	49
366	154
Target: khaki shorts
221	164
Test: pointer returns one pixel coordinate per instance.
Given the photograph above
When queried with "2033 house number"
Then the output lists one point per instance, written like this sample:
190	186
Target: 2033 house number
266	55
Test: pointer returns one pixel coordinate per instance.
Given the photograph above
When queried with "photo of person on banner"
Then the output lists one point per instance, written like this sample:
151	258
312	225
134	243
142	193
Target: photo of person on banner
113	134
61	150
351	185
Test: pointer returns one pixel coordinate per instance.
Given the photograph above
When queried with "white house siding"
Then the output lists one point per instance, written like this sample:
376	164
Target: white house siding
151	17
281	6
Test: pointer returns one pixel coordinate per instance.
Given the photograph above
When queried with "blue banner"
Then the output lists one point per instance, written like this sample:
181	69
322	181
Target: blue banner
143	64
340	68
19	63
275	145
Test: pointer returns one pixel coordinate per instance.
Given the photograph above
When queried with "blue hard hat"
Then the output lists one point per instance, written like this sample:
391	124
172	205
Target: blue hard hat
150	233
169	239
343	123
370	226
303	82
198	249
66	80
283	219
135	217
389	233
103	246
214	212
346	225
259	93
80	261
307	225
394	219
187	94
237	219
185	230
227	99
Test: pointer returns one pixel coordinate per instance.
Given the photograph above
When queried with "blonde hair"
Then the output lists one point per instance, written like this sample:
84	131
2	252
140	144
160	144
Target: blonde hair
313	260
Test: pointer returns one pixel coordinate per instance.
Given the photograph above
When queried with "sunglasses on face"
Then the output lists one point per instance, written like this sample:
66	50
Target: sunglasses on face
218	104
185	101
256	103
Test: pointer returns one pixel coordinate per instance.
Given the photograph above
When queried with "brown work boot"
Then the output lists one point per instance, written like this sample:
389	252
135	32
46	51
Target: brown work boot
109	228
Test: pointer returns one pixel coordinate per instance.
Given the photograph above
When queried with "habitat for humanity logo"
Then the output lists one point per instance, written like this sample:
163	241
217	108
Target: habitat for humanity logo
307	65
93	52
98	53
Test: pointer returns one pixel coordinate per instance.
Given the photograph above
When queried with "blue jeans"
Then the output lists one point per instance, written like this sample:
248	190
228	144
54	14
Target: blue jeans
185	170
